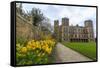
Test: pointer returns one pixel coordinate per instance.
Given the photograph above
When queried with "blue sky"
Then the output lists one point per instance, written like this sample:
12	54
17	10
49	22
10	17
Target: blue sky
76	15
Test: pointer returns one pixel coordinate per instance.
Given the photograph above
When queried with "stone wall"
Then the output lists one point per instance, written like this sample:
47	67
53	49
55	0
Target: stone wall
23	28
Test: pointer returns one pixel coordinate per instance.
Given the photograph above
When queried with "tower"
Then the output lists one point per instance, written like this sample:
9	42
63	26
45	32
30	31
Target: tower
89	28
56	29
65	21
65	29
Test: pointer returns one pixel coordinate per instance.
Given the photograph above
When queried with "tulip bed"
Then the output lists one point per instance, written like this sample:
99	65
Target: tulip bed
34	52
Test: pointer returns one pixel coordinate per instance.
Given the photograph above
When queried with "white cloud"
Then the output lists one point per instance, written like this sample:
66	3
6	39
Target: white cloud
77	15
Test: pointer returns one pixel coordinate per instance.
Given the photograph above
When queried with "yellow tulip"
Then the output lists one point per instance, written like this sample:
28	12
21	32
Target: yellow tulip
33	48
24	50
28	47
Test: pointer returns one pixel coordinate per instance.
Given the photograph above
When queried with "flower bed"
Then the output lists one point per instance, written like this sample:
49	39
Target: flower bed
34	52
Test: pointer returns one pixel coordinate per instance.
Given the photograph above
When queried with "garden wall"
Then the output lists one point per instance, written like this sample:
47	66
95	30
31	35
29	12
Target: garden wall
23	28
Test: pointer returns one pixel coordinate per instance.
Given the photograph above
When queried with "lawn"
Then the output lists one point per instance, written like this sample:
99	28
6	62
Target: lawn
87	49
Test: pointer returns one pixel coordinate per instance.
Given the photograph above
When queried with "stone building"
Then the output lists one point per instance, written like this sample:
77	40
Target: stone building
65	32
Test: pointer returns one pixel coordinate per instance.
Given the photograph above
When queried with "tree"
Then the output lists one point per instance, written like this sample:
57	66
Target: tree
37	16
47	25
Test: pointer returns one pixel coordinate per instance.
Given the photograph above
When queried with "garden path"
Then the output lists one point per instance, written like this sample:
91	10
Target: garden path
65	54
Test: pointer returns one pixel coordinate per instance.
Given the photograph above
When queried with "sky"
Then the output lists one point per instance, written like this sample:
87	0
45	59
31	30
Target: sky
76	15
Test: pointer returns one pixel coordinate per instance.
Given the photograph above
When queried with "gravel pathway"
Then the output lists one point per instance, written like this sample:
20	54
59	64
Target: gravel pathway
65	54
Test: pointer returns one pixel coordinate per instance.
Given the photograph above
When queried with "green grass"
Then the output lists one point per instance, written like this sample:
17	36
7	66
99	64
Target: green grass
87	49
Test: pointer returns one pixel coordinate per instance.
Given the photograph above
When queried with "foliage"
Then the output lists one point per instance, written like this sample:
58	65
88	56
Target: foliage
46	25
87	49
34	52
37	16
21	40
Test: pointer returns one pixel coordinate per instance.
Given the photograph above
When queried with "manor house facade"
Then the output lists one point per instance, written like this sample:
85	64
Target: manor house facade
65	32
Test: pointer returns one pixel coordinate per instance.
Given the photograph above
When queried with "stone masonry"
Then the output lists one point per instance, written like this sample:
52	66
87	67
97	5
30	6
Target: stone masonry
65	32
